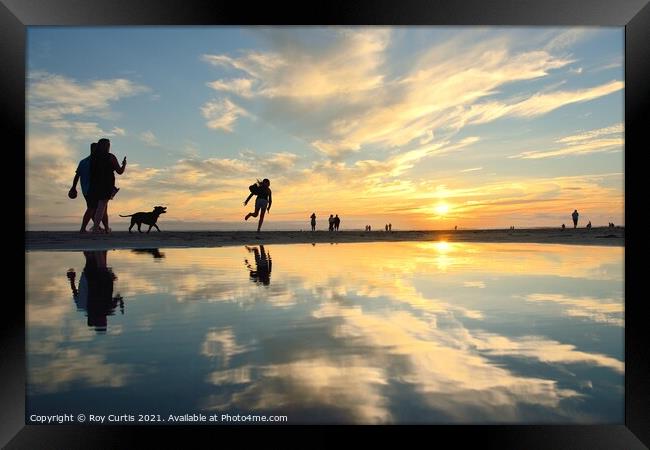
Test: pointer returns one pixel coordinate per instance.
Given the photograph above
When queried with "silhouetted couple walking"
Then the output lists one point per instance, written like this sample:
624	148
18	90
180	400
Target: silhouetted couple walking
96	173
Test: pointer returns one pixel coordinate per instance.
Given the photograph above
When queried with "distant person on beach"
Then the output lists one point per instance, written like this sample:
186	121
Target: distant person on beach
386	228
102	181
589	225
390	227
331	222
337	222
263	202
563	227
455	227
313	221
369	228
575	216
262	271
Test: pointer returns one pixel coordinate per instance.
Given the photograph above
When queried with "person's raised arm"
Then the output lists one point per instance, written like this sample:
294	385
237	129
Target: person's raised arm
247	199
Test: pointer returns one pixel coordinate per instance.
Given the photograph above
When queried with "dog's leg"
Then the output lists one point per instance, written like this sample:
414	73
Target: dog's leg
149	228
132	223
139	225
156	227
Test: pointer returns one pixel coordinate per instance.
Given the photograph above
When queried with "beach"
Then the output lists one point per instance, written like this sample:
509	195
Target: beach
70	240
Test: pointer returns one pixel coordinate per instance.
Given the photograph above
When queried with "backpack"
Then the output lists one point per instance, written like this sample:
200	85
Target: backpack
255	188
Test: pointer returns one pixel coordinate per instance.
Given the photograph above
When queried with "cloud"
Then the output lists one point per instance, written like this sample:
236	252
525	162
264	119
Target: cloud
473	169
149	138
53	97
222	114
343	96
239	86
350	64
594	141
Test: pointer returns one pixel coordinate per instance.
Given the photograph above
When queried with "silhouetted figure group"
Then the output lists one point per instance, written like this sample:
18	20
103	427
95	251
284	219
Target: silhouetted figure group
334	222
262	190
388	227
611	225
261	273
96	173
368	228
95	292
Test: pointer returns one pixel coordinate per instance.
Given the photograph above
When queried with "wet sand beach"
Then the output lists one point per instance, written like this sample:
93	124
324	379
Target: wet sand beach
70	240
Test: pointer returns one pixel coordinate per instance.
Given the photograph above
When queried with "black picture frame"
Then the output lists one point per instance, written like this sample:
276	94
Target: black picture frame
634	15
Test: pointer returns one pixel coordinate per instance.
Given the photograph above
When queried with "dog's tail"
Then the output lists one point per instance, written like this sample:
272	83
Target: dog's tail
130	215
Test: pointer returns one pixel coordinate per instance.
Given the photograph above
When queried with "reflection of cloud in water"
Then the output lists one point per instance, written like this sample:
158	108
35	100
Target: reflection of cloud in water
594	309
369	300
544	350
443	363
71	366
221	344
346	383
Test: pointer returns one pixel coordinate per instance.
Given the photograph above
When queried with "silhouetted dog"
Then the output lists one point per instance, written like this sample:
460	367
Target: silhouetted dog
148	218
152	251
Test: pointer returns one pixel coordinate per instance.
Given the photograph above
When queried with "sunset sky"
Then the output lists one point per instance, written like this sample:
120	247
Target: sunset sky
423	127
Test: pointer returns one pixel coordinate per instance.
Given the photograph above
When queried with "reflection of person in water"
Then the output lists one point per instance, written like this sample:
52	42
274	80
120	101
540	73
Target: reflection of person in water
95	292
262	271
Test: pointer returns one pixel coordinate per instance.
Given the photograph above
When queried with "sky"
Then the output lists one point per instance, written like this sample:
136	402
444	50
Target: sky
420	127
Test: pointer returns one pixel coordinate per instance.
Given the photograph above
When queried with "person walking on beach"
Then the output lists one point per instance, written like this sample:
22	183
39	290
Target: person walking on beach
575	216
337	222
313	221
589	225
331	223
262	202
82	175
390	227
102	181
386	228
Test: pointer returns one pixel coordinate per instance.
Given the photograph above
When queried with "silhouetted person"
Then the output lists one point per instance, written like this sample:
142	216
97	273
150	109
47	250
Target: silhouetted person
369	228
337	222
331	222
563	227
95	293
262	202
262	271
82	174
455	227
313	221
390	227
575	216
102	181
589	225
386	228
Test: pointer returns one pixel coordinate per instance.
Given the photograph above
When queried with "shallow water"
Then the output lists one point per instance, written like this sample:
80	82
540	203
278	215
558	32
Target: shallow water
351	333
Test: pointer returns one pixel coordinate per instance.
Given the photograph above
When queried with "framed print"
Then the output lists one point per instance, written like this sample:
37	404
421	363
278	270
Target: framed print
411	217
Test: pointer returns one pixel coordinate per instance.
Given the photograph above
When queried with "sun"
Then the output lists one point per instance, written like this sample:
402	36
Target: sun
442	209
